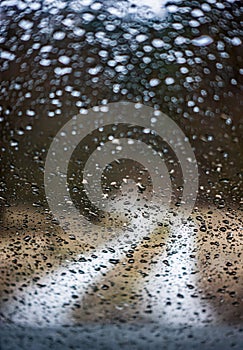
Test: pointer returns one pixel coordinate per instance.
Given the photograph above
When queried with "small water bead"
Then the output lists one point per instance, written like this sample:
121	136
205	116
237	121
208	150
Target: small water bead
180	40
141	37
154	82
68	22
59	35
25	37
172	8
25	24
64	59
62	71
45	48
88	17
30	113
45	62
194	23
197	13
78	31
14	143
177	26
158	43
236	41
147	60
184	70
169	81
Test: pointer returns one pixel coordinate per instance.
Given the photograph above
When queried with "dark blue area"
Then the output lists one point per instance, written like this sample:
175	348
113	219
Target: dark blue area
121	337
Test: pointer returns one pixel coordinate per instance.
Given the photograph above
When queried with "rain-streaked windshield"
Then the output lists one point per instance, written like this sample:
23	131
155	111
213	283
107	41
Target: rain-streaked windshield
121	169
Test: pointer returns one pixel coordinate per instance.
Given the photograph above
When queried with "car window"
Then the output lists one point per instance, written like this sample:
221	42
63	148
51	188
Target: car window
121	165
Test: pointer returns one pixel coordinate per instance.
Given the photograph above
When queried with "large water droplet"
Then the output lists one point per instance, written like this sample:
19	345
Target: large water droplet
202	40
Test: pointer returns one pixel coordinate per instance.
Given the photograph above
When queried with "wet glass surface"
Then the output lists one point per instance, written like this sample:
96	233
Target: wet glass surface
124	269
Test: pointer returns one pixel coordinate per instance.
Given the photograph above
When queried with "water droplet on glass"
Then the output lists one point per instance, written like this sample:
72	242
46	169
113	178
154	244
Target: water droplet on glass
202	40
